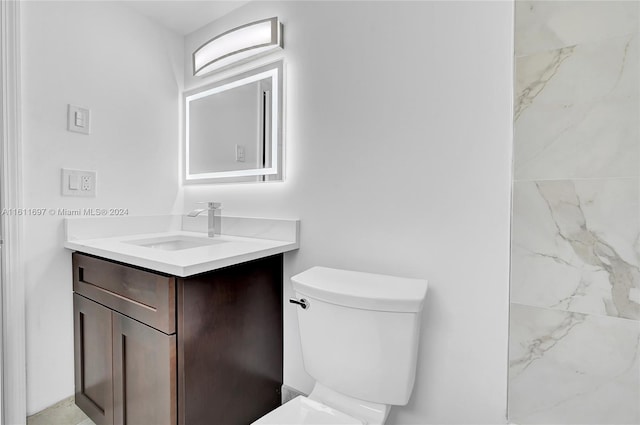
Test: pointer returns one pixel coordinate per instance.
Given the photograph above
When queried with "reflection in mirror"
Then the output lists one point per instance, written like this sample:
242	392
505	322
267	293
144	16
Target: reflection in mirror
233	130
226	130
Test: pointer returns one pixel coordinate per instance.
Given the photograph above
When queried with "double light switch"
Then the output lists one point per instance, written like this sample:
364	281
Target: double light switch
78	119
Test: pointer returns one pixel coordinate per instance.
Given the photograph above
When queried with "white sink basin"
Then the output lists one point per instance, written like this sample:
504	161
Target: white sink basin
175	243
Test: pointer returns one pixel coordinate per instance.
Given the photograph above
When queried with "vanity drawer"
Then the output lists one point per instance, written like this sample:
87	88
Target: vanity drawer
142	295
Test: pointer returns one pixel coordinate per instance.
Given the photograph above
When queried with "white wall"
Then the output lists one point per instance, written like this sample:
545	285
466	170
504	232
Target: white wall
129	72
221	122
399	129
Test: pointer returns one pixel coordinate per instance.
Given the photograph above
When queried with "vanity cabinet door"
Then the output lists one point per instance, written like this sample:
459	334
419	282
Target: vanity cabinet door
93	359
144	374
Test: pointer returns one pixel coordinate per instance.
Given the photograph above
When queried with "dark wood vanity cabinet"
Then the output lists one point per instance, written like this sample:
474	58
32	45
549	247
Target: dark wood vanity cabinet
154	349
93	356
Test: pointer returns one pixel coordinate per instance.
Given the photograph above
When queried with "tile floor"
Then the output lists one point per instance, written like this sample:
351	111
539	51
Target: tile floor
63	413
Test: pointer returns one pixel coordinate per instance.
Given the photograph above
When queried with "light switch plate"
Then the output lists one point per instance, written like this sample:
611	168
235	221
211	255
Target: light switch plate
240	153
78	119
79	183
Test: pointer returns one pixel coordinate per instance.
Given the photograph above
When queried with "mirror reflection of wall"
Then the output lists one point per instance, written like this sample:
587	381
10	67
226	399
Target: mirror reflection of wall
226	130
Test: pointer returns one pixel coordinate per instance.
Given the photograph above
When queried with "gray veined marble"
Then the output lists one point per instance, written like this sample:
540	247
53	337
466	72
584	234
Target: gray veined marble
572	368
574	338
534	74
548	25
575	246
576	111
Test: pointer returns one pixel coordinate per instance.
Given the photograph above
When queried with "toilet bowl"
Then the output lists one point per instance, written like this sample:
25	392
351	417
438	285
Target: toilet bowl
359	334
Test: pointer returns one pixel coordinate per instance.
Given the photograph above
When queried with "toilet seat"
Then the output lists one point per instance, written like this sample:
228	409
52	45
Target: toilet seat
304	411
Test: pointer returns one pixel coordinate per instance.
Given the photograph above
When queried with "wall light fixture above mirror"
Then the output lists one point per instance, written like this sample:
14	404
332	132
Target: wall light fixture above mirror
233	128
238	45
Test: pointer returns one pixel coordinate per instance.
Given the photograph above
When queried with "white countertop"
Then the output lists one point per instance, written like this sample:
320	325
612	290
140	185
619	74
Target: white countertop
113	242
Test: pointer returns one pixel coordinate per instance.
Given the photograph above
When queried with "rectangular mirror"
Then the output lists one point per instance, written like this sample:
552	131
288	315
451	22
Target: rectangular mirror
233	128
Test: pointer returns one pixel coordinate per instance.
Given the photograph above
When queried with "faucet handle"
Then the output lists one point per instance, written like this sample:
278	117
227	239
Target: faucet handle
212	205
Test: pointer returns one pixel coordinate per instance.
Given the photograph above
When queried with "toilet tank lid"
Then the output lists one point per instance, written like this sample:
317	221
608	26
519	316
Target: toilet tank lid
367	291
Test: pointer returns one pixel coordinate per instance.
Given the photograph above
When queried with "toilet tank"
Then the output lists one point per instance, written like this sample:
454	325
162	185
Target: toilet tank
360	332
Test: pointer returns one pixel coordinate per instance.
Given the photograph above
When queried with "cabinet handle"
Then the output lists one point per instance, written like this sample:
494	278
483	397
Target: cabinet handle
301	302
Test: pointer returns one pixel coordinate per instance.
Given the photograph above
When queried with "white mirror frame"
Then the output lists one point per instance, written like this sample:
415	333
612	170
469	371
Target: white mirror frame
274	71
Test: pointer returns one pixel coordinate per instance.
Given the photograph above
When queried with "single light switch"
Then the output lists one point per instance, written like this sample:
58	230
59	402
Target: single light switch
74	182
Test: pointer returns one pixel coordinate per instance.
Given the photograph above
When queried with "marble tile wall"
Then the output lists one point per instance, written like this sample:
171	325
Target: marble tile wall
575	281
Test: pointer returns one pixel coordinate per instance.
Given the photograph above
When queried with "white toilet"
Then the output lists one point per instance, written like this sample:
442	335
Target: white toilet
359	335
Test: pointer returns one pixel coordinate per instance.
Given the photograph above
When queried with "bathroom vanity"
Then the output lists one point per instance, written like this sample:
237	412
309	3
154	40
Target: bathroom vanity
159	347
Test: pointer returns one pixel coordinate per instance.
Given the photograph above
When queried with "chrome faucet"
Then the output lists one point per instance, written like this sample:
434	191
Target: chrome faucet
213	211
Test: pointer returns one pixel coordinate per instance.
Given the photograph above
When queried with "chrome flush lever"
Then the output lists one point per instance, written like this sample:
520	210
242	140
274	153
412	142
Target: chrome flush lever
301	302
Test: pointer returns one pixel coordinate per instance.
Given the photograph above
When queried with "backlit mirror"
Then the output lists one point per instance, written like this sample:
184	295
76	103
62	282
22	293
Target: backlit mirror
233	128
